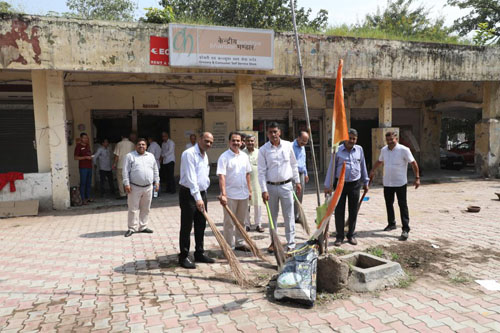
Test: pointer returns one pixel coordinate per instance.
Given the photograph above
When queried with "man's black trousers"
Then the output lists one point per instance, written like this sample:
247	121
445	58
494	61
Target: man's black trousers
351	194
190	214
167	176
103	175
403	206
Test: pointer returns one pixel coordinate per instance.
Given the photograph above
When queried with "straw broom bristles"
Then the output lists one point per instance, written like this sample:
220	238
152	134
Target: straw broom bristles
251	244
279	253
228	253
302	216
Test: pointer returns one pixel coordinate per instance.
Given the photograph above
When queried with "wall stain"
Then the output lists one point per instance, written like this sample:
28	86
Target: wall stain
9	44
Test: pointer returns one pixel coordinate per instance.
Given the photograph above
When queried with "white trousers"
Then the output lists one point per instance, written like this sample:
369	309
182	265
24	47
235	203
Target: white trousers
139	204
257	214
231	234
283	194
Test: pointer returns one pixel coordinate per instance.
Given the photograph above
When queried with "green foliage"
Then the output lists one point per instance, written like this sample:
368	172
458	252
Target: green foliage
6	7
453	126
376	251
484	35
484	16
404	19
156	15
114	10
265	14
406	282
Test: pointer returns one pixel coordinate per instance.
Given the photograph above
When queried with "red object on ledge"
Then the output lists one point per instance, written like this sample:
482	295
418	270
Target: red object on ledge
10	177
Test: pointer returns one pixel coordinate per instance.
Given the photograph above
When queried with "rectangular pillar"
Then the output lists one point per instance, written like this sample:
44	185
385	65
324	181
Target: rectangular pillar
244	103
429	140
39	83
385	104
56	110
378	142
487	133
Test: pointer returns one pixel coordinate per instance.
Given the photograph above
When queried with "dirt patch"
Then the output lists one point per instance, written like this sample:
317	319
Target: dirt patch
420	258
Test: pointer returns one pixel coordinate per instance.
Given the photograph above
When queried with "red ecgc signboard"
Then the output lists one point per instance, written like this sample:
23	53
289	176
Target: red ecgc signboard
158	51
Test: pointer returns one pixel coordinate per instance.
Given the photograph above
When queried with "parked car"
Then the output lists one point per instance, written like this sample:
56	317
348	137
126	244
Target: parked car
466	149
450	160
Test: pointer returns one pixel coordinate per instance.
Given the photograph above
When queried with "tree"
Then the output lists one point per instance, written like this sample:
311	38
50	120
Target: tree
484	17
401	18
5	7
114	10
265	14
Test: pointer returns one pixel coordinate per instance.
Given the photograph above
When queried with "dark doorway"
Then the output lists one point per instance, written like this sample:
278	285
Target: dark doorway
112	128
152	126
364	128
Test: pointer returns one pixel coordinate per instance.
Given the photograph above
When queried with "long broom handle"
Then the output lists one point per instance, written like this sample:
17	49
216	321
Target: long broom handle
269	215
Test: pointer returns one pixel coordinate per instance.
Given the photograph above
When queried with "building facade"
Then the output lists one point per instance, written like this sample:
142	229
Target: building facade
61	77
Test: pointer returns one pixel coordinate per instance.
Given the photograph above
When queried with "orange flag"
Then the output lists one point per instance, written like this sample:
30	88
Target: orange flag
339	122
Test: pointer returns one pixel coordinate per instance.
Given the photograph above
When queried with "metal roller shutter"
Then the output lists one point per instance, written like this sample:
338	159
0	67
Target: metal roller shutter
17	137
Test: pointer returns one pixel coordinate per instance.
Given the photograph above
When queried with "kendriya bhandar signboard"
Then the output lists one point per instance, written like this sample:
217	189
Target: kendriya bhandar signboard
221	47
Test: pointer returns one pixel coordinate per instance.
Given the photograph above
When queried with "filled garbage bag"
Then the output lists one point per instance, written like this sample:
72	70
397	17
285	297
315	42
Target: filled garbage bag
297	280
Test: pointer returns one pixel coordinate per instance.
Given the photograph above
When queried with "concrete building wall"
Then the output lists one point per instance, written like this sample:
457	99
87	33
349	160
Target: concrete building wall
35	186
76	45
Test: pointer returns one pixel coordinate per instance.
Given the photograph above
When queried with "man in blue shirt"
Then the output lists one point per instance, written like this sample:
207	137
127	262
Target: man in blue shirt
300	155
355	176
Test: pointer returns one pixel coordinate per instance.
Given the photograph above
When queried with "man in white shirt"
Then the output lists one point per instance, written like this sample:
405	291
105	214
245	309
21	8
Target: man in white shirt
122	148
395	158
102	159
168	163
140	175
233	169
155	149
192	141
277	168
194	183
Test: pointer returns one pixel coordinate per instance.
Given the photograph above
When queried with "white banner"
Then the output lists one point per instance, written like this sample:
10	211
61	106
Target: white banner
221	47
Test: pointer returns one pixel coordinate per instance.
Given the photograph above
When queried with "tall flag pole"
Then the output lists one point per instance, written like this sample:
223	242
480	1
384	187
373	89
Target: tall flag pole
306	109
339	134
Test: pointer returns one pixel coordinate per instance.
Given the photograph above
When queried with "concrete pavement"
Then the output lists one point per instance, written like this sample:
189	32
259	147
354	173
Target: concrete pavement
74	271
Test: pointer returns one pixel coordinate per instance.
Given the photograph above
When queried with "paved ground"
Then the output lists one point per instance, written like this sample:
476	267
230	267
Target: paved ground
74	271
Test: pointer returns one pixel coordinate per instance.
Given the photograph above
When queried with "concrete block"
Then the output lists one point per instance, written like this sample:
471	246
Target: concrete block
19	208
370	273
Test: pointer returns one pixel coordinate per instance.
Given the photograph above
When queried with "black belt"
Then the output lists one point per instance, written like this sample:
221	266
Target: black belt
141	185
188	189
280	183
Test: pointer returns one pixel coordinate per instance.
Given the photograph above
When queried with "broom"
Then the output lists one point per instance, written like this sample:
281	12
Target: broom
302	216
279	253
228	253
251	244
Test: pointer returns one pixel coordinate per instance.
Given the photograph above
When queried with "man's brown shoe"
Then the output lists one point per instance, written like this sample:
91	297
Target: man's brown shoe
338	242
352	241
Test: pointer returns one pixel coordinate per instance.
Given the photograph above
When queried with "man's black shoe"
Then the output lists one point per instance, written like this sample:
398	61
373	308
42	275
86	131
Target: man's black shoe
259	229
203	258
147	231
404	236
243	248
187	263
352	241
338	242
247	229
129	233
390	227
